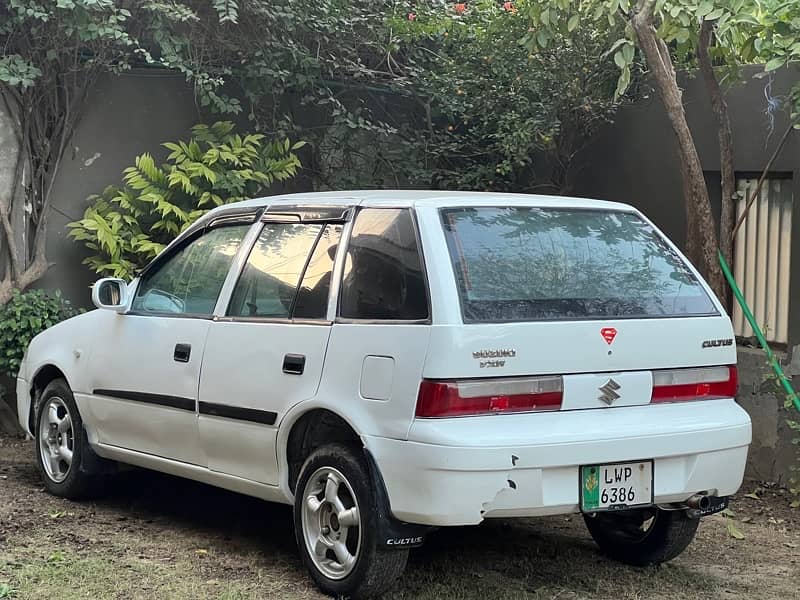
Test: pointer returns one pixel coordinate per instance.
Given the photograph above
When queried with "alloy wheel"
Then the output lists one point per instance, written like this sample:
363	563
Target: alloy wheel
56	439
331	523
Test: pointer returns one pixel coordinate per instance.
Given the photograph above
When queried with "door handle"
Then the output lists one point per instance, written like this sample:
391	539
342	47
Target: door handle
182	352
294	364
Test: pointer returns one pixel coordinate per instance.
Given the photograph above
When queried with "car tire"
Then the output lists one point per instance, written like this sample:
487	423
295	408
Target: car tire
65	460
644	536
335	520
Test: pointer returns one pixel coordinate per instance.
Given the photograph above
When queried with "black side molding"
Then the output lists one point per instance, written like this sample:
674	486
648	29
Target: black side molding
265	417
146	398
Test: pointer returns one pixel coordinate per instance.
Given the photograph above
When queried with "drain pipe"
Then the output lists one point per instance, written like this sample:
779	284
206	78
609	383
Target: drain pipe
771	358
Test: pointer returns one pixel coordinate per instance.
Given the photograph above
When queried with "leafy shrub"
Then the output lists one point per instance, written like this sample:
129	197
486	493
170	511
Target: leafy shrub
499	117
128	226
24	316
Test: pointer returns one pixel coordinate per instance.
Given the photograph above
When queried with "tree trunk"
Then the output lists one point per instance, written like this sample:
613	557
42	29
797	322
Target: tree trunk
720	109
701	235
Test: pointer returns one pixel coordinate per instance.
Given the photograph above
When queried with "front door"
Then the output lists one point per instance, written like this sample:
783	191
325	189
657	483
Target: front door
144	381
266	354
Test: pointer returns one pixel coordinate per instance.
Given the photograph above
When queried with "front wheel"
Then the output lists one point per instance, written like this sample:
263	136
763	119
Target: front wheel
335	519
60	449
642	536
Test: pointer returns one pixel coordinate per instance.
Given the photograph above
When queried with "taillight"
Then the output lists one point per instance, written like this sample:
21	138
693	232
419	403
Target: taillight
706	383
488	396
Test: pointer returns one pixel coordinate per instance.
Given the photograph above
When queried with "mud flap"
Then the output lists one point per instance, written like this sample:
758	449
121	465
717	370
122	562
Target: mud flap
91	464
393	534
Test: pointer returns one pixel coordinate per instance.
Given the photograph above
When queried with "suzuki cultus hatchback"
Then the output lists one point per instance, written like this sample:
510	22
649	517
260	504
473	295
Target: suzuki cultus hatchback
392	362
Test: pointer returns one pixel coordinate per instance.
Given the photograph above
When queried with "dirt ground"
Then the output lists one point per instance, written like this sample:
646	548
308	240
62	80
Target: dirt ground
153	536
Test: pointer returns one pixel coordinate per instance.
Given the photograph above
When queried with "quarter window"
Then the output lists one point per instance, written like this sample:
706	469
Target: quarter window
312	297
189	281
269	281
383	274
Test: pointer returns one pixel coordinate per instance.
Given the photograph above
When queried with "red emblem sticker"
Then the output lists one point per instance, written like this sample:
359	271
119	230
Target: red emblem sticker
608	333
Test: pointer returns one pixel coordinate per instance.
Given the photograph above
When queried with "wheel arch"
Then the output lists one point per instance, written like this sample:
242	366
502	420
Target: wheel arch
306	430
301	432
45	374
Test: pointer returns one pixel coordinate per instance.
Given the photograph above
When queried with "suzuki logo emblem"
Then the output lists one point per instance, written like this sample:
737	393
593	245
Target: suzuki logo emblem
608	392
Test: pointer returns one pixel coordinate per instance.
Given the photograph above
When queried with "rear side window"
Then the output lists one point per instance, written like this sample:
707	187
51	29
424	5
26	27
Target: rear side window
518	264
383	271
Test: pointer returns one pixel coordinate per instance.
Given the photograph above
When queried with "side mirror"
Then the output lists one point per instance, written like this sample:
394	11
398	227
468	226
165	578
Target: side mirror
110	293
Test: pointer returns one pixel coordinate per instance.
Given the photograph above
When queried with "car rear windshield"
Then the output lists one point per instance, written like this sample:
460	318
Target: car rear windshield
522	263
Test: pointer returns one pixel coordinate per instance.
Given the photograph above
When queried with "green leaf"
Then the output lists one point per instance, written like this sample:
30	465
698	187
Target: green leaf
623	82
732	530
542	38
573	22
705	8
627	53
775	63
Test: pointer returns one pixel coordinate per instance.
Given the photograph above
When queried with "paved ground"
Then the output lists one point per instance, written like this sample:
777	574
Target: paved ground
154	536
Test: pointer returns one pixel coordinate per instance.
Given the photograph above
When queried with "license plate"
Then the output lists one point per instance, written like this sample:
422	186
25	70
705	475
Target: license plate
616	486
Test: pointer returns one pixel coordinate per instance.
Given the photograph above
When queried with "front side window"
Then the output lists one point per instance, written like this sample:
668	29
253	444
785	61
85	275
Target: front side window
189	282
517	264
269	281
383	276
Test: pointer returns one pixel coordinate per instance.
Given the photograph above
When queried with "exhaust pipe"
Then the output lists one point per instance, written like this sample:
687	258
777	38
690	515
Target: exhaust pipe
701	502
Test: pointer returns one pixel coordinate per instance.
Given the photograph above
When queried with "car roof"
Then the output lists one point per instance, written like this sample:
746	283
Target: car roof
427	198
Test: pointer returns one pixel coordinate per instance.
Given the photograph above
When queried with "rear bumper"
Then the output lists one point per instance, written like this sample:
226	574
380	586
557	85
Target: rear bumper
460	471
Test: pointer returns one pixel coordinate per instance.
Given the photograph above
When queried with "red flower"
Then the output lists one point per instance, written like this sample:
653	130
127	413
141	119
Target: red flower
460	7
412	16
509	6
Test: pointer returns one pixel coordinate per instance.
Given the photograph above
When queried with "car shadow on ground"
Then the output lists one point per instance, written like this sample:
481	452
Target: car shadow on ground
499	558
192	533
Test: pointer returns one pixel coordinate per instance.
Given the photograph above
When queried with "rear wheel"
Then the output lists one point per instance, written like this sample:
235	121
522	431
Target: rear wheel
60	449
335	519
642	536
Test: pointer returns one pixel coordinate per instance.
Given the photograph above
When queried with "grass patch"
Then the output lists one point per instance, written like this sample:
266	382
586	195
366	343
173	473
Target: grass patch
118	573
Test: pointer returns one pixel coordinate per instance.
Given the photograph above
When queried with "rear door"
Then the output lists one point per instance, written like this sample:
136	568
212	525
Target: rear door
595	296
267	352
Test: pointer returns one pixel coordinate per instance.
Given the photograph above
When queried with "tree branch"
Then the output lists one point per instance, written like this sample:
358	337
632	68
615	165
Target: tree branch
720	109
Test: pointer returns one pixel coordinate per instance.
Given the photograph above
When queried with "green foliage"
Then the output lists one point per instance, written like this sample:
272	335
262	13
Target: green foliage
15	70
128	226
24	316
51	54
6	591
228	10
745	31
496	115
97	29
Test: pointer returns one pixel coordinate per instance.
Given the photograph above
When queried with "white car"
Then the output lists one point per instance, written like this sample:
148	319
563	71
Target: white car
395	361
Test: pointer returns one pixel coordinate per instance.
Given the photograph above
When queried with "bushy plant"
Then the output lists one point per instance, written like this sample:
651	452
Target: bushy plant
24	316
499	117
128	226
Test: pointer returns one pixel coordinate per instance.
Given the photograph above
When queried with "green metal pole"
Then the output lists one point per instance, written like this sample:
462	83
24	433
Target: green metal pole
773	361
